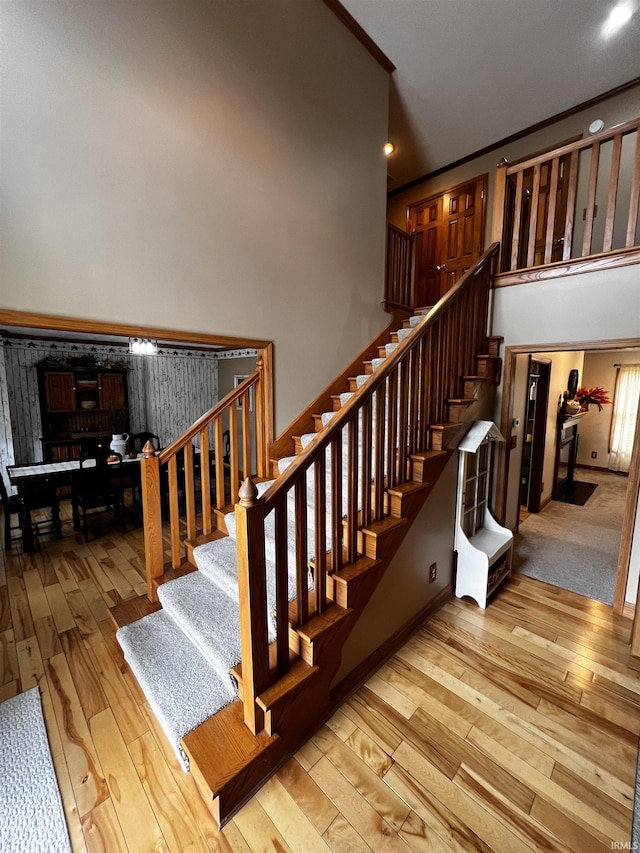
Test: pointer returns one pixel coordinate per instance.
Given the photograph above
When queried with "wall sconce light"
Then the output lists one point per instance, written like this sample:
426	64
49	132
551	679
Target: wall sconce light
389	148
143	346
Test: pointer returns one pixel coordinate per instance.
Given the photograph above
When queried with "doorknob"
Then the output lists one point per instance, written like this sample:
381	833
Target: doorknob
441	267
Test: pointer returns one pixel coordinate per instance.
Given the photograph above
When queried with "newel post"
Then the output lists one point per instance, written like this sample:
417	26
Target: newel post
151	518
254	642
264	411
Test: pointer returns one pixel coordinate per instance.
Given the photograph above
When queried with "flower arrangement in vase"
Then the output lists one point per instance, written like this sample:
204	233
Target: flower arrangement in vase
588	396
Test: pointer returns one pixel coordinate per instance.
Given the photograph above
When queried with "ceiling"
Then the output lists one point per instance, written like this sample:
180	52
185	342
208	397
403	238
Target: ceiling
470	73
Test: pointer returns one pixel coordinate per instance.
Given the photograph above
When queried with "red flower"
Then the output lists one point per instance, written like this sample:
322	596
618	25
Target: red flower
598	396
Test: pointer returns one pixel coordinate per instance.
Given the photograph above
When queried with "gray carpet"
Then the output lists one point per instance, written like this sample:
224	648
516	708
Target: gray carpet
576	547
31	814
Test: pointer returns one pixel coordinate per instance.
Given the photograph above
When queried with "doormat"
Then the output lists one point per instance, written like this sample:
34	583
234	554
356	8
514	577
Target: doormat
30	804
580	493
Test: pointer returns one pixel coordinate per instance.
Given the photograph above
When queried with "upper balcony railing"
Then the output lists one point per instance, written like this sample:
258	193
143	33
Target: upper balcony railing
578	201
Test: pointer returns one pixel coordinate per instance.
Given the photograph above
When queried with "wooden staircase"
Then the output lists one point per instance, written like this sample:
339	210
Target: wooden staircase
284	688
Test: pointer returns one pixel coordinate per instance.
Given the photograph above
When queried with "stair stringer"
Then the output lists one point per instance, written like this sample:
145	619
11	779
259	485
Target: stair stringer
227	780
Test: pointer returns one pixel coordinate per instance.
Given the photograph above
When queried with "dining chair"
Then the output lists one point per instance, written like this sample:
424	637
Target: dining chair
139	439
98	487
11	505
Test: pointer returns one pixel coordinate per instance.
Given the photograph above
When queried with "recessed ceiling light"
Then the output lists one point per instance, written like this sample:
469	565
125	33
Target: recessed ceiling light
620	15
389	148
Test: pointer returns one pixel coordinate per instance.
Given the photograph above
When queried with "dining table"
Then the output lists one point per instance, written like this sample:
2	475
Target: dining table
37	484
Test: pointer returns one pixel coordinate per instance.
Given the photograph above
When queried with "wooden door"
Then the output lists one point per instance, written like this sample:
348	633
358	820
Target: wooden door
111	389
463	231
60	391
449	230
426	225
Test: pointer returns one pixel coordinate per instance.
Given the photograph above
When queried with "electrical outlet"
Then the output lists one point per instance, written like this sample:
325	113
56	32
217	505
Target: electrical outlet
594	454
433	570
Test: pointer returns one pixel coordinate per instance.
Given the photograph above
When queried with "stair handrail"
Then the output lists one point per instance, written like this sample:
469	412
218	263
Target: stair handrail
393	379
236	406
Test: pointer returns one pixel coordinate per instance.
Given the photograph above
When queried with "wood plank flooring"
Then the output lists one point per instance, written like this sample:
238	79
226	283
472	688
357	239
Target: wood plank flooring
515	729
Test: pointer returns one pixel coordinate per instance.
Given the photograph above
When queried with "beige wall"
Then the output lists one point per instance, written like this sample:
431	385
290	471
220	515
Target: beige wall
616	110
430	540
595	427
214	167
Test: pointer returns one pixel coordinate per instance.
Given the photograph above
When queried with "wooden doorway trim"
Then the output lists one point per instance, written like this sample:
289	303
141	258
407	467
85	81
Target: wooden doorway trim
633	488
77	325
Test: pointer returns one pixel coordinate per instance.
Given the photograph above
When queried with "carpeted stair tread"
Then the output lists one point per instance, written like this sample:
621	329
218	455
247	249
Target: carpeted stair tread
218	562
284	463
183	689
206	616
389	348
377	362
404	333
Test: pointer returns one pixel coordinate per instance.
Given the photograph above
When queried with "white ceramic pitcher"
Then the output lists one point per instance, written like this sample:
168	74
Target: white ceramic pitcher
119	443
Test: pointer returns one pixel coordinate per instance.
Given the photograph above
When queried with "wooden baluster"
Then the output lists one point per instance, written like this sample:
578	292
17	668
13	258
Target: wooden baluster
302	560
613	193
403	422
591	199
219	455
365	497
379	425
517	219
533	216
252	591
432	379
336	503
352	489
246	435
395	436
414	391
189	491
174	512
632	222
205	481
282	586
233	437
571	206
152	518
425	387
551	209
320	509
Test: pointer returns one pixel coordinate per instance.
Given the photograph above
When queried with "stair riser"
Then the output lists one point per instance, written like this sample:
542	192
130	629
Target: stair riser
489	366
355	592
472	386
493	345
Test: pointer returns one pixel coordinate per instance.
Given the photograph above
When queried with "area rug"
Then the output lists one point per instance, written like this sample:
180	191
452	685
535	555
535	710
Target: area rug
580	493
31	815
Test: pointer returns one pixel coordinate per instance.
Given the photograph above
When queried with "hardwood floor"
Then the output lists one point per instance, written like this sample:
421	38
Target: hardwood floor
513	729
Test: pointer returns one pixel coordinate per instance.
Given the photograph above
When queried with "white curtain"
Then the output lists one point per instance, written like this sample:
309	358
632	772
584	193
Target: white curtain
623	425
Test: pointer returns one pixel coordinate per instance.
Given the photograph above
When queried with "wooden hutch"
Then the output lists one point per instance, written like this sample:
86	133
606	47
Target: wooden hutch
80	402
